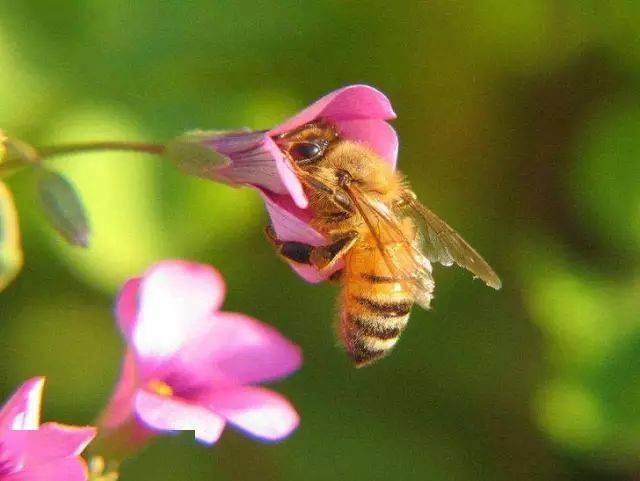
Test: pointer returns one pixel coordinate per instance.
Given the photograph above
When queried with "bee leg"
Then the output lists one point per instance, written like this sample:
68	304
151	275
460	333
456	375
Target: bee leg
325	257
321	257
290	251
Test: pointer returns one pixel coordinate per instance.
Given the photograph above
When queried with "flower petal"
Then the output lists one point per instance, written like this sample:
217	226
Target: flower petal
22	410
257	411
377	134
176	298
170	414
347	103
292	224
237	350
51	441
68	469
289	222
290	179
127	306
256	160
251	159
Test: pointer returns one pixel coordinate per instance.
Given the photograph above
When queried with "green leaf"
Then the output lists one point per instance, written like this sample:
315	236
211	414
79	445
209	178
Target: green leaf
11	258
190	154
63	208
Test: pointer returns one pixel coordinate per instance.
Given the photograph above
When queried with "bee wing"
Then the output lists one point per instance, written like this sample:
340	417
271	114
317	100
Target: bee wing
444	245
403	259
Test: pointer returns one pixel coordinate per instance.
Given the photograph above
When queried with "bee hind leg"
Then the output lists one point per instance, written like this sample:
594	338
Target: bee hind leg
290	251
321	257
325	257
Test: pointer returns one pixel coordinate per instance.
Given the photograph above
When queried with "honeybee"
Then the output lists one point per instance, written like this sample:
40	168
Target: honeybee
376	226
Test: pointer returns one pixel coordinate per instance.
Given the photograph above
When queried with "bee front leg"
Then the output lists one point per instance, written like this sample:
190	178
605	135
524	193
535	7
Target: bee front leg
321	257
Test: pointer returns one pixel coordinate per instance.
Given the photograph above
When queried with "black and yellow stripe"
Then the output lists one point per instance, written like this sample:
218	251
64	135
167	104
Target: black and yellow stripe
375	311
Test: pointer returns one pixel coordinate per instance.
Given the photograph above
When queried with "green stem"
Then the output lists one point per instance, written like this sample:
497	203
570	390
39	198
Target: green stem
82	147
36	155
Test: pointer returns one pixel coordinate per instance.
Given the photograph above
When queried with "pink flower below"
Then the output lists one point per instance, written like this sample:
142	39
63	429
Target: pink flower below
33	452
192	367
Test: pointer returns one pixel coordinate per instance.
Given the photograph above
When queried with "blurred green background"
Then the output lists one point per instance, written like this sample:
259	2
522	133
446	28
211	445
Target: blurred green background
519	123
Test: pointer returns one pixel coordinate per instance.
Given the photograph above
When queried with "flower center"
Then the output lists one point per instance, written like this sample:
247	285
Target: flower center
160	387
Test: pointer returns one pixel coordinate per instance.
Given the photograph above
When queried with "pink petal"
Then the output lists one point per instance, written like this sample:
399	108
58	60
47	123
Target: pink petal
290	179
348	103
257	411
51	441
68	469
120	405
171	414
237	350
22	410
377	134
127	306
176	299
292	224
255	159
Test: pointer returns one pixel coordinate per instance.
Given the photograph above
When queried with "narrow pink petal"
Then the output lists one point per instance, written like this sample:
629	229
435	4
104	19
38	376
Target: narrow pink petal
289	222
51	441
237	350
257	411
127	306
171	414
67	469
377	134
176	298
255	159
249	159
292	224
22	410
289	178
351	102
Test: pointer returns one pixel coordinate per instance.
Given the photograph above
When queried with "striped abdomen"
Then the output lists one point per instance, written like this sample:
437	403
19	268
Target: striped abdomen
374	307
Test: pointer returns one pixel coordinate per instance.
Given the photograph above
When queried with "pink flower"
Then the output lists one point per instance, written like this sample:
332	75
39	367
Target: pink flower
359	113
33	452
192	367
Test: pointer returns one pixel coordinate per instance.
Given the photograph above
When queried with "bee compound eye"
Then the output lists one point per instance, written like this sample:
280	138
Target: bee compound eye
305	151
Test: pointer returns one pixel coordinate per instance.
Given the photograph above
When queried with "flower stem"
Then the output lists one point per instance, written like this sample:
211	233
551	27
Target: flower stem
81	147
27	155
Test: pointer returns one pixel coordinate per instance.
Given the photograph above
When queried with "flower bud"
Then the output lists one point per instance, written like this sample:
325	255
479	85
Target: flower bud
3	147
63	208
11	258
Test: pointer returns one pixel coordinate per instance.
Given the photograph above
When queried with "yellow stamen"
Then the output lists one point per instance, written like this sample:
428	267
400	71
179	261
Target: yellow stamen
161	388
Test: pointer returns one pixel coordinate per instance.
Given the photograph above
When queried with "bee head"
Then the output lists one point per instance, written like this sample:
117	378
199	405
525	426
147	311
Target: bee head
308	143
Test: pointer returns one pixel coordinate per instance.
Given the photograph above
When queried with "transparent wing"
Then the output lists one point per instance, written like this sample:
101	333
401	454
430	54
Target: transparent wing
400	254
443	244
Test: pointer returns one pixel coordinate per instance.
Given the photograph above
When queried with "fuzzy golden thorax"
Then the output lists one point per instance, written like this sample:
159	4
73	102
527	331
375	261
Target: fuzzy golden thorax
366	170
